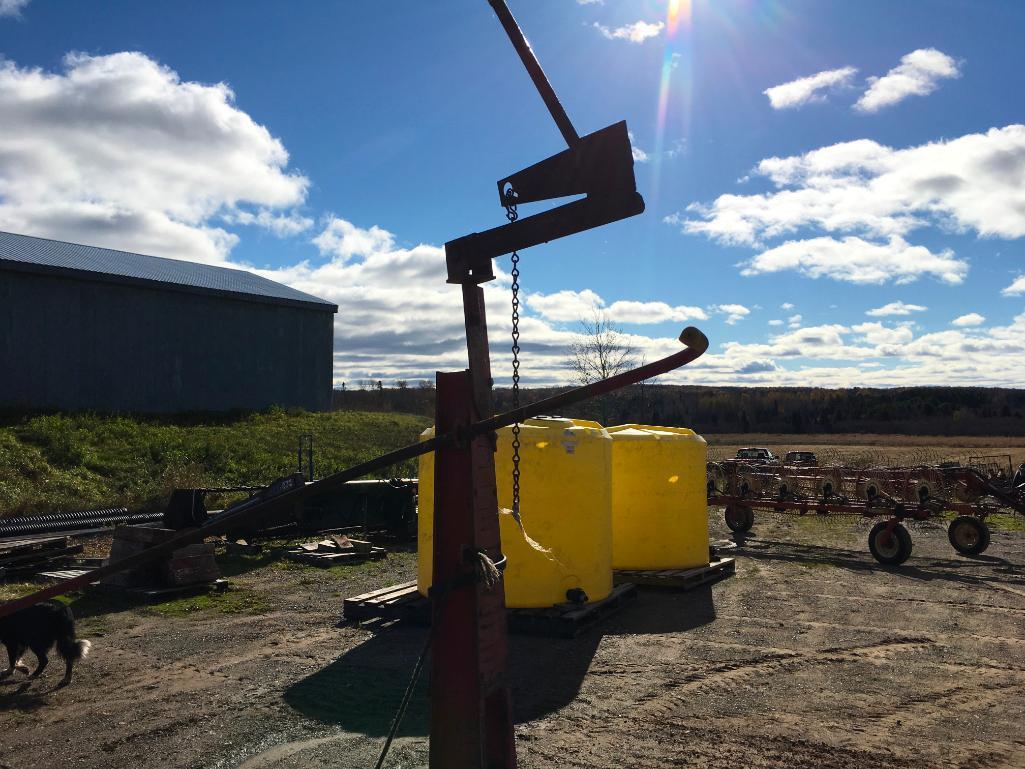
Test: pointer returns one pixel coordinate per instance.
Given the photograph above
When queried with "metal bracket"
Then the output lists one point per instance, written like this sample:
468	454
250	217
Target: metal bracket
599	165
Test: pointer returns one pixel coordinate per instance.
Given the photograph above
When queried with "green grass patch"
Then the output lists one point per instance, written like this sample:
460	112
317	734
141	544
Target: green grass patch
236	600
11	590
1006	522
56	462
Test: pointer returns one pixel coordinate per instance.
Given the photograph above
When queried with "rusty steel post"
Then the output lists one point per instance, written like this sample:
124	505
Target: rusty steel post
471	710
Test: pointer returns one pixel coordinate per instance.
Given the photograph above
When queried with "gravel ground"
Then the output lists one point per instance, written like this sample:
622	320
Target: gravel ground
811	656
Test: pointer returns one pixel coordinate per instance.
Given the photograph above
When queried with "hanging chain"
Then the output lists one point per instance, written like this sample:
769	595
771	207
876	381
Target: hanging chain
512	216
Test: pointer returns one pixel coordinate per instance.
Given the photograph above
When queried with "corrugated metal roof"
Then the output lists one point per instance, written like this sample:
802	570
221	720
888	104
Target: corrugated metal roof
46	255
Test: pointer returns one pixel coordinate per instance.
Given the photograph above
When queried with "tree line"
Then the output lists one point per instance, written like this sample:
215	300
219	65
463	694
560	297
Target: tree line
789	410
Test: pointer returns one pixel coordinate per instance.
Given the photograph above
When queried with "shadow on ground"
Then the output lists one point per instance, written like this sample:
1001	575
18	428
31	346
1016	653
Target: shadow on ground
961	569
361	690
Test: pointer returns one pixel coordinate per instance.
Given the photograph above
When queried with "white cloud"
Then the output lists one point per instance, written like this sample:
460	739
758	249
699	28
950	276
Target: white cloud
786	306
639	155
895	308
972	183
678	147
398	319
858	261
879	335
637	32
573	306
794	321
12	7
734	312
799	92
775	322
282	225
971	319
918	74
865	199
1017	287
117	151
565	306
590	2
624	311
343	240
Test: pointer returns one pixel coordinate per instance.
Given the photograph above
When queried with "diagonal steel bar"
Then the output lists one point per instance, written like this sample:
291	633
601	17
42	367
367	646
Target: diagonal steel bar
533	66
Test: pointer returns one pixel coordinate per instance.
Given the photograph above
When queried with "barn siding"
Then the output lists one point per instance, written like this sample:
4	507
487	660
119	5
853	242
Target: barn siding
74	344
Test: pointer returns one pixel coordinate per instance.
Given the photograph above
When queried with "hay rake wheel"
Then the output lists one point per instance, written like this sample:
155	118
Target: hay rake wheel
968	535
890	543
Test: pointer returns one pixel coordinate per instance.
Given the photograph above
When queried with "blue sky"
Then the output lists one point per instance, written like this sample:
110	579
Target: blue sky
842	158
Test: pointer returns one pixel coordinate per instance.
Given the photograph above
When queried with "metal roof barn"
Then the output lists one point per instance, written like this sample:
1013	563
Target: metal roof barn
86	328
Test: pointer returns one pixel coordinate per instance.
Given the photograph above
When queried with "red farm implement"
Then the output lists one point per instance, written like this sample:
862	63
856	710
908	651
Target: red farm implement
894	495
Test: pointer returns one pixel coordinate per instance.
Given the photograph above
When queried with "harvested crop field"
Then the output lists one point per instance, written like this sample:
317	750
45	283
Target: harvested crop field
811	656
864	449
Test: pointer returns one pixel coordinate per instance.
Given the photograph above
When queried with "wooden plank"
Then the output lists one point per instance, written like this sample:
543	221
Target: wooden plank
39	556
679	579
62	574
327	559
393	590
19	547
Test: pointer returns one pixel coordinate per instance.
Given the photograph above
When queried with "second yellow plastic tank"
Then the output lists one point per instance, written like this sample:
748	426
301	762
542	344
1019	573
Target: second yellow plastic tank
659	503
565	541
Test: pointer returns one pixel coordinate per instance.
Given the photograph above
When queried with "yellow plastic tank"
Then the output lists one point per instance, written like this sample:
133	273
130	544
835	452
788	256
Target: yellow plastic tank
659	503
565	541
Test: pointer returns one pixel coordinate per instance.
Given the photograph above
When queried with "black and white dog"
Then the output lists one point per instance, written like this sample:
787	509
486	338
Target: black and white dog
41	628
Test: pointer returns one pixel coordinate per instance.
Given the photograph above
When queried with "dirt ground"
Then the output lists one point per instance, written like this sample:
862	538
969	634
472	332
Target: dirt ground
811	656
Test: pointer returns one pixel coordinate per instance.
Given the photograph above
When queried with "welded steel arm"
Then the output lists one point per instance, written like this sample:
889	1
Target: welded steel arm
533	66
695	344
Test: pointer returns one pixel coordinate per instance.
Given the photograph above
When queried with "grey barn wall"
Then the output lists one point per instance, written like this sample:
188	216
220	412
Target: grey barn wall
77	344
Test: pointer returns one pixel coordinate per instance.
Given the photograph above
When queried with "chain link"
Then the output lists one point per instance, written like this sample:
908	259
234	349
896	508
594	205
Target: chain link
512	215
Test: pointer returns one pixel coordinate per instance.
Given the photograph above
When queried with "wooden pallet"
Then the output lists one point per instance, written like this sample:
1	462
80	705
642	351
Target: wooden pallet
63	575
334	559
27	555
396	603
567	620
402	603
679	579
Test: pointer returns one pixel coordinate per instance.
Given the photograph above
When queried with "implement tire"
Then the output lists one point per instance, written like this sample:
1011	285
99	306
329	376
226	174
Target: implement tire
968	535
739	518
890	549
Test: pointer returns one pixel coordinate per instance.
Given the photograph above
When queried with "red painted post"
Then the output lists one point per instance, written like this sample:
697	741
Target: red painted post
471	713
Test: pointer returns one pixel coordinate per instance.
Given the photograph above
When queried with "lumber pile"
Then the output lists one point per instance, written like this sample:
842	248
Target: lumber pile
25	556
335	550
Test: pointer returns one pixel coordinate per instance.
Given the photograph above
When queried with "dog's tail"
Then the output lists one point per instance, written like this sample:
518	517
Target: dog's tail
68	647
73	650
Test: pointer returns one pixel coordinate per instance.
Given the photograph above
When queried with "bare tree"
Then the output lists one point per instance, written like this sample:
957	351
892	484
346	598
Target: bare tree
604	351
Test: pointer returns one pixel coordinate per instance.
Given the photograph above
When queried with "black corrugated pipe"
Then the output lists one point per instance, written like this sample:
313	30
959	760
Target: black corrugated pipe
86	519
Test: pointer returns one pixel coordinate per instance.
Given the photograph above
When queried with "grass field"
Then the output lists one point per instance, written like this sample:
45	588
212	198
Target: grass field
62	462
